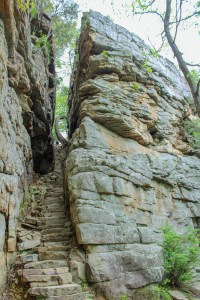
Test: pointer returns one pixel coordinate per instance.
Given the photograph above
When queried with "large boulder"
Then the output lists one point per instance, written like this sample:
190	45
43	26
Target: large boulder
127	171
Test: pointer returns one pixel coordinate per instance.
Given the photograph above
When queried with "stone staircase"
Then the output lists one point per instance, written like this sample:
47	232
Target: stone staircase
48	233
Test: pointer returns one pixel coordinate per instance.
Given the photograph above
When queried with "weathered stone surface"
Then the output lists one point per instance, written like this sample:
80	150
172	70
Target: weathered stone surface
177	295
128	170
26	103
66	289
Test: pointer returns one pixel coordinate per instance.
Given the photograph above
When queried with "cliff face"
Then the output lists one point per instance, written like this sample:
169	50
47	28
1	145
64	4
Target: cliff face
26	114
127	170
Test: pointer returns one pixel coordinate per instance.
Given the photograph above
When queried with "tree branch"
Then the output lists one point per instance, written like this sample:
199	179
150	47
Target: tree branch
149	12
178	55
198	86
178	19
196	13
193	65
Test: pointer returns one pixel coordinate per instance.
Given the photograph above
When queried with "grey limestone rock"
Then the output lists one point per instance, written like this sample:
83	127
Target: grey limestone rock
26	115
127	171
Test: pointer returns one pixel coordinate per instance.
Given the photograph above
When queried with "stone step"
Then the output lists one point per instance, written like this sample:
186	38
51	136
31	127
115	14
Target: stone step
47	264
43	284
52	220
53	195
55	190
30	220
56	229
56	214
53	255
53	207
60	278
78	296
57	209
67	289
65	235
49	219
55	237
51	201
55	247
30	258
28	244
49	271
51	224
49	244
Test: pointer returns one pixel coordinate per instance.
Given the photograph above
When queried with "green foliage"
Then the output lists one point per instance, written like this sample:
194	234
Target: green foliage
136	86
163	292
83	283
147	67
33	10
27	252
181	253
154	52
40	298
64	14
61	102
194	75
61	107
192	128
23	5
105	53
143	5
42	41
123	297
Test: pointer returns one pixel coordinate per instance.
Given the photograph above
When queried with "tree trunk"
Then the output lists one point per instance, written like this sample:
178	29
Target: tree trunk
178	55
59	136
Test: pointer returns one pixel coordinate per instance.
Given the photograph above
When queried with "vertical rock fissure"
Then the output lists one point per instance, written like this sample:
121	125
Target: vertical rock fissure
47	232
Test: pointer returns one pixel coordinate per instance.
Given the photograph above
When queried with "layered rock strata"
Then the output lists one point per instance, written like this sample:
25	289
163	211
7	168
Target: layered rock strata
26	113
128	169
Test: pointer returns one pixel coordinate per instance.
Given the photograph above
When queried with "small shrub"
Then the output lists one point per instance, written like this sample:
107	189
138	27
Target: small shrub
42	41
105	54
163	292
123	297
181	253
83	283
40	298
147	67
192	128
136	86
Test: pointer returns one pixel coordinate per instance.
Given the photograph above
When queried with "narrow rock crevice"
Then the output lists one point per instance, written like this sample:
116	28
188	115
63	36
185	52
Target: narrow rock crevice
46	231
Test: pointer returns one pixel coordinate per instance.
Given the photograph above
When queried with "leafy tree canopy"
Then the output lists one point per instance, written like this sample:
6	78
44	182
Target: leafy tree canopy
63	14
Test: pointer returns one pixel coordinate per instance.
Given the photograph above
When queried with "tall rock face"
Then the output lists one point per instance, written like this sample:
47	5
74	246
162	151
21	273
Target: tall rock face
128	169
26	113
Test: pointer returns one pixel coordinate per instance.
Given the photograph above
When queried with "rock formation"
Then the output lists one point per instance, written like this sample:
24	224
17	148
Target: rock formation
128	169
27	93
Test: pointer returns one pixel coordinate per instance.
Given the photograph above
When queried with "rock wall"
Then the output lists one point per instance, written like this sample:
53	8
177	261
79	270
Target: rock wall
128	169
26	113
